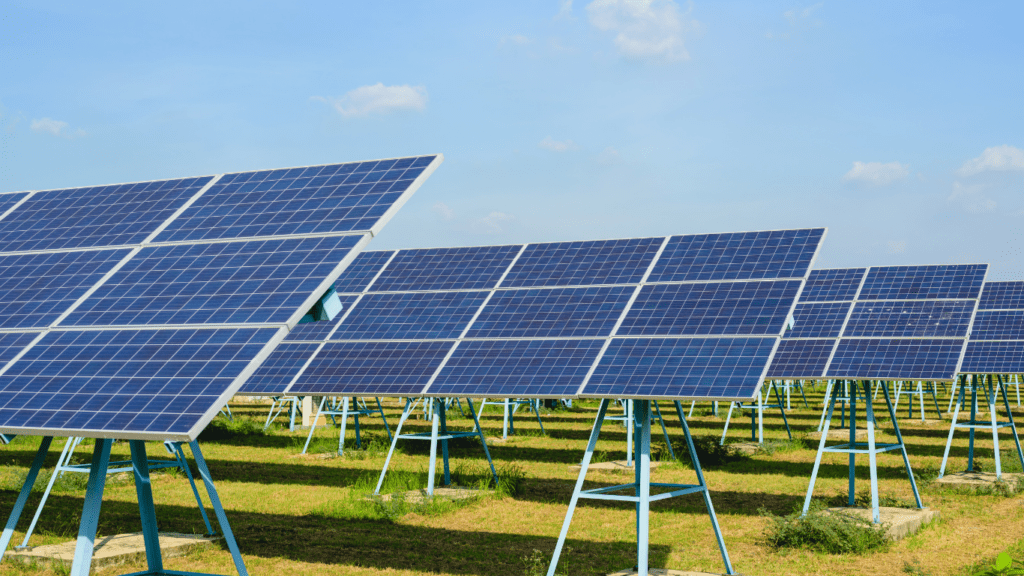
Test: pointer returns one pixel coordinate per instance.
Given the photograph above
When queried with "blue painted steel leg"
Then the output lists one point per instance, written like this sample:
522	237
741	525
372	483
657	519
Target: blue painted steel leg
380	409
821	450
1013	425
853	440
991	397
642	425
664	431
869	419
183	464
784	419
958	392
483	441
312	427
579	485
26	489
444	442
707	496
536	408
344	423
974	417
431	467
147	511
49	486
902	446
409	405
91	510
218	510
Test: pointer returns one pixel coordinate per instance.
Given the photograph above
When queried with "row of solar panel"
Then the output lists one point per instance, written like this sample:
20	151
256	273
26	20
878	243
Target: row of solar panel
321	199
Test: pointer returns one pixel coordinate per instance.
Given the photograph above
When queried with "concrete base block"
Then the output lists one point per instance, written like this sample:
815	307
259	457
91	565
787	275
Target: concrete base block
748	448
901	522
841	434
447	492
113	550
616	466
977	479
664	572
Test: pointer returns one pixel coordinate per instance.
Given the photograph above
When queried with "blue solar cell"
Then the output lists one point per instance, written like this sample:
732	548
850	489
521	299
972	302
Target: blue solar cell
361	271
738	256
818	320
583	263
98	216
279	369
516	368
446	268
681	368
405	316
133	382
255	281
994	358
35	289
1002	296
320	329
9	200
552	312
927	319
13	342
923	282
896	359
372	368
834	284
713	308
801	358
318	199
1002	325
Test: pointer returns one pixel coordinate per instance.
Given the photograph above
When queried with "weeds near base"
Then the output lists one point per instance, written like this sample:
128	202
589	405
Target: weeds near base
536	564
823	531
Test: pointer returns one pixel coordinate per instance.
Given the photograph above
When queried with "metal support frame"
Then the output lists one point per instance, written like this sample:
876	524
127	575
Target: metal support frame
871	448
714	409
438	432
64	465
511	405
757	415
641	487
987	384
919	390
98	470
344	410
278	404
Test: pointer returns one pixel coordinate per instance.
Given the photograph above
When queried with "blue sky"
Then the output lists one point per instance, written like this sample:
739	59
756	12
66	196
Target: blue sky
899	126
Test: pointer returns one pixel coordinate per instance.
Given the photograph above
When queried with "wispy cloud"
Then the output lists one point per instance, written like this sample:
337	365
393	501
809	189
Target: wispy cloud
608	156
797	19
651	29
378	99
564	10
54	127
444	211
877	173
492	223
1001	158
517	39
971	198
550	143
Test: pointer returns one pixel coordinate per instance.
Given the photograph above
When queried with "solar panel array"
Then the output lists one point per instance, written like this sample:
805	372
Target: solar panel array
886	323
136	310
671	317
997	338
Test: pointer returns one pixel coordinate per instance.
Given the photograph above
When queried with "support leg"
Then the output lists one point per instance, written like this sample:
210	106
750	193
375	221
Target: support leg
383	418
312	427
991	396
147	510
344	423
642	424
728	417
443	411
91	510
974	418
536	408
784	419
409	405
853	438
63	460
1013	425
179	454
952	426
821	450
483	441
432	466
824	408
26	489
903	448
664	431
579	485
869	418
218	510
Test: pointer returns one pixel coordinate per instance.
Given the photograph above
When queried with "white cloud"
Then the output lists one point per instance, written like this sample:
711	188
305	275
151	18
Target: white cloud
54	127
444	211
608	156
877	173
971	198
897	246
550	143
645	28
492	223
517	39
797	19
378	99
565	10
1003	157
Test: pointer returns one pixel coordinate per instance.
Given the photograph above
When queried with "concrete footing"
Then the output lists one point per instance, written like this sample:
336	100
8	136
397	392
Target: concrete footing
616	466
113	550
448	492
977	479
664	572
841	434
900	522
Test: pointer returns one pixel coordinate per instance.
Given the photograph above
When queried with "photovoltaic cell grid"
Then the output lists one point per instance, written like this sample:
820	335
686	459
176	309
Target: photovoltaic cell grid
906	322
544	331
996	345
176	290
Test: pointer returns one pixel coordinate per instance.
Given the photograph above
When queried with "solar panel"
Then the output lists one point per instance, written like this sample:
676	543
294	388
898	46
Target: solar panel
832	285
279	369
563	319
818	320
801	358
923	318
923	282
363	269
896	359
997	335
159	299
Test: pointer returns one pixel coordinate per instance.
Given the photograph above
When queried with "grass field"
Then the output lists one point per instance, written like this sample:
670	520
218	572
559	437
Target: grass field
307	515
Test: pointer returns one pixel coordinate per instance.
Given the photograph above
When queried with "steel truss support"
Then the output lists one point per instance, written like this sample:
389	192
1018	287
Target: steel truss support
98	470
919	390
278	405
511	405
871	448
641	487
438	432
344	410
757	415
990	387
